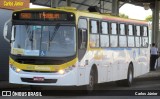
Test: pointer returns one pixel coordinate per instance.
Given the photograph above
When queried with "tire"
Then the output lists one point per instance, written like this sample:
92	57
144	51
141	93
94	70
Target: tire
129	81
92	81
130	76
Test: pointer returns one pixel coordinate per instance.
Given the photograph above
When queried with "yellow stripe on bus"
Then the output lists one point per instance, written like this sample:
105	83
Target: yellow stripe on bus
42	67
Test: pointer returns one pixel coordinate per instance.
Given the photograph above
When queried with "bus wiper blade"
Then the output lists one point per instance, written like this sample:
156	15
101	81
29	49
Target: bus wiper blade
55	32
30	34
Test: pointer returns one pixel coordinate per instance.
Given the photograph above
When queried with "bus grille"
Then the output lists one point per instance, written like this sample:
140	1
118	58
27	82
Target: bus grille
30	80
40	71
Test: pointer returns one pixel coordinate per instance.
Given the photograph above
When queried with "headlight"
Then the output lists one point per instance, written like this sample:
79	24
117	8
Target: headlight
15	68
63	71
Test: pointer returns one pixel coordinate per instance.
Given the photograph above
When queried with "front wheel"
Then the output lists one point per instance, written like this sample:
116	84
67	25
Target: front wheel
92	81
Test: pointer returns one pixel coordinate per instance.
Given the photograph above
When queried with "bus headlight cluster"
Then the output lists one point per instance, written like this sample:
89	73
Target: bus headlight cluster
15	68
63	71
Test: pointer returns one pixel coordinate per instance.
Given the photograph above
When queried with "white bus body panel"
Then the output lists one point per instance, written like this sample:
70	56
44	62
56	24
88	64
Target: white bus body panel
114	64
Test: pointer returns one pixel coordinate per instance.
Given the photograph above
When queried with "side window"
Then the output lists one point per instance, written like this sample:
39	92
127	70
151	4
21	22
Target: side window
113	28
104	26
122	29
122	36
137	36
94	35
130	29
145	33
114	36
130	36
145	36
104	37
82	34
138	30
82	23
94	26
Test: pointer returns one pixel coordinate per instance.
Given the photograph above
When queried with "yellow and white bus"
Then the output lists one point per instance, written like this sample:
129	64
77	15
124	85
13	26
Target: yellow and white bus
66	47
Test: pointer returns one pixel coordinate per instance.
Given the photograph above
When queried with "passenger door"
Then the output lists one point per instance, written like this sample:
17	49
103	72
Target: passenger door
82	47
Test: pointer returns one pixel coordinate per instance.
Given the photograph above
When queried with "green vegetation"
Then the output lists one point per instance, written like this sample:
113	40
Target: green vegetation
123	16
148	18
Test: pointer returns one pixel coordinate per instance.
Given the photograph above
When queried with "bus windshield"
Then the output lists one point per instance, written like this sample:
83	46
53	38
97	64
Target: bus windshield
46	41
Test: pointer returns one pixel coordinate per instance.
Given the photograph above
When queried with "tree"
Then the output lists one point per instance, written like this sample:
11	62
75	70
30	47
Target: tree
148	18
123	16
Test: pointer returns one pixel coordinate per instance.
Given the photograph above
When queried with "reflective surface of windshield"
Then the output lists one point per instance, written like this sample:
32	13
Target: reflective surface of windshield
47	41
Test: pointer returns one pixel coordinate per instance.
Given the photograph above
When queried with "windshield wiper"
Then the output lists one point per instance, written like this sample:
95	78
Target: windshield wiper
30	35
55	32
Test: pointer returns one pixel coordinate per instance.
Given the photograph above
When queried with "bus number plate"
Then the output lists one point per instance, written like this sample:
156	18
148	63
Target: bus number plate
38	78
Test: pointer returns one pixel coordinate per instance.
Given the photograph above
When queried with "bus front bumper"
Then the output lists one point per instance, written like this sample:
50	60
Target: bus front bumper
51	79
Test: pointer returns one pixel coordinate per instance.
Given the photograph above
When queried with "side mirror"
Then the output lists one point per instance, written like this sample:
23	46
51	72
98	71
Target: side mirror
5	30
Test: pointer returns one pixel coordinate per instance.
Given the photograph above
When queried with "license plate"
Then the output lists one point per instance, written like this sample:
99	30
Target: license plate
38	78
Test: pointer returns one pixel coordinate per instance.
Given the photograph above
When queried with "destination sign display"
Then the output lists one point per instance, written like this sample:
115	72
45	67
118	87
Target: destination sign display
44	16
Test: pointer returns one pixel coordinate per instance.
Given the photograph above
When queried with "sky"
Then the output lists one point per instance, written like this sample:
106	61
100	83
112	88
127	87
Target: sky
134	12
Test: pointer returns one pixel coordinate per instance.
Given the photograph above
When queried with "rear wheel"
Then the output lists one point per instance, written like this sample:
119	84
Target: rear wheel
128	82
130	76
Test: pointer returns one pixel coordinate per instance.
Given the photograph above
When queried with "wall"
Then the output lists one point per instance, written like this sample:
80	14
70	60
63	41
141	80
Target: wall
4	46
6	9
